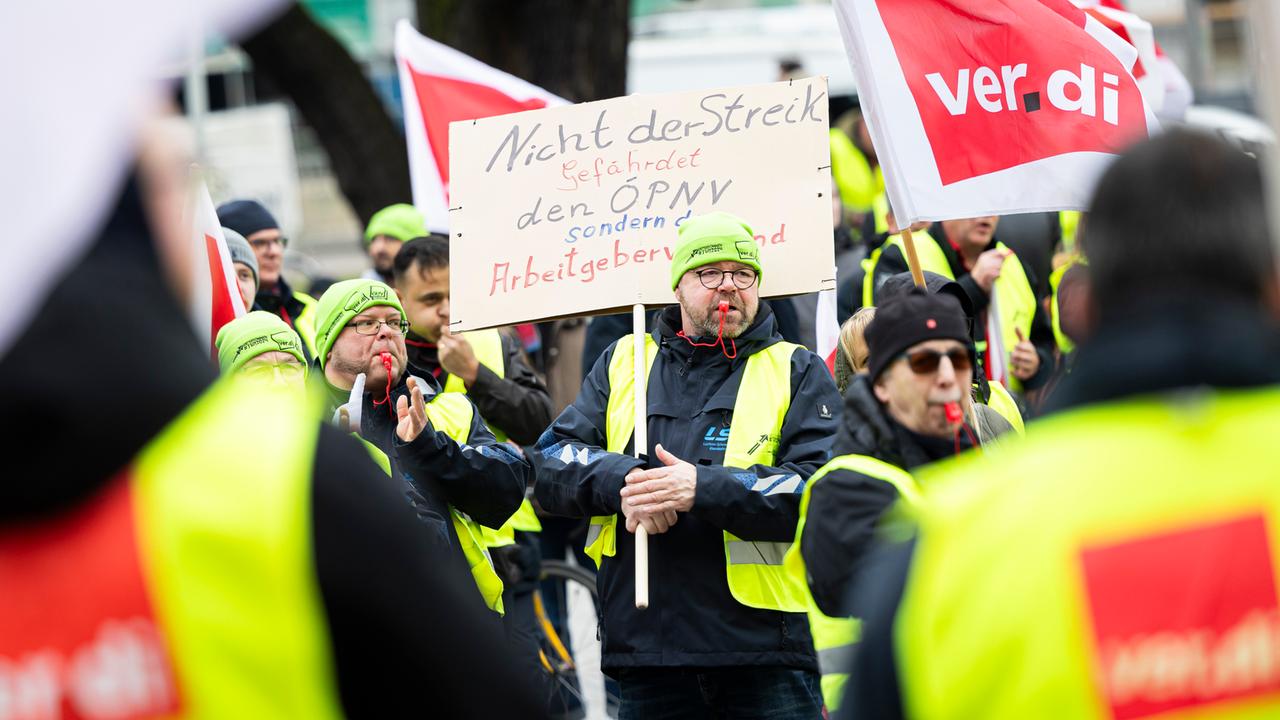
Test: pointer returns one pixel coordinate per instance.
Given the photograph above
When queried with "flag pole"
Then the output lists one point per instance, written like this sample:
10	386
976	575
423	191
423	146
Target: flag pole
641	444
913	261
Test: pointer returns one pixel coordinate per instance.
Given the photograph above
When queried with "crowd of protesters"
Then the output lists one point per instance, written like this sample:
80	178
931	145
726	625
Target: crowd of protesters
965	515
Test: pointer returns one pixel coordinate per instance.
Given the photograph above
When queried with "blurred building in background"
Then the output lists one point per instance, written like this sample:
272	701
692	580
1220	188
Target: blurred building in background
256	144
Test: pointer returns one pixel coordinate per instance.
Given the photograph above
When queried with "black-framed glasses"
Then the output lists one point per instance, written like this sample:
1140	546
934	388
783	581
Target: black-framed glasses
712	278
264	243
370	326
925	362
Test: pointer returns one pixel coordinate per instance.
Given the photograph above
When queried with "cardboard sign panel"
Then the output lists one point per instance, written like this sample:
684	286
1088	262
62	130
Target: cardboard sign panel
574	210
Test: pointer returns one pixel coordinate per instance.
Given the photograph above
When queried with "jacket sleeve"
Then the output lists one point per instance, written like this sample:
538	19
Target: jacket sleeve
518	403
844	510
762	502
577	477
483	478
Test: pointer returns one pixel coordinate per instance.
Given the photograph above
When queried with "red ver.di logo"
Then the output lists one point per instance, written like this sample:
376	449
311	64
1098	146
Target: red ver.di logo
1184	619
1003	83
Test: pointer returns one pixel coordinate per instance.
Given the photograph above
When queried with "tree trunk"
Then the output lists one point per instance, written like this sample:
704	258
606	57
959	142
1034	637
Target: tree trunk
366	149
577	50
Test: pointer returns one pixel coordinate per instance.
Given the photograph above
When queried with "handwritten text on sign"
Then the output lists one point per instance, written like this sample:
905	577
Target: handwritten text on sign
574	210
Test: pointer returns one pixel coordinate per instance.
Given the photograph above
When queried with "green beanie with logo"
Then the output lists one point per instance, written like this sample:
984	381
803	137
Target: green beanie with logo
712	238
251	335
343	301
401	221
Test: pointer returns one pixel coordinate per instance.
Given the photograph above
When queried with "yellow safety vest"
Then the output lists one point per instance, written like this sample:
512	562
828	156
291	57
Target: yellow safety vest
1065	344
452	415
305	323
1002	402
192	572
1135	577
1013	292
858	183
835	639
487	345
754	569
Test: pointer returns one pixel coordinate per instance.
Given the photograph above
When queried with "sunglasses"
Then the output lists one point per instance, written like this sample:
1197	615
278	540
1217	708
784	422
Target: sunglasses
925	362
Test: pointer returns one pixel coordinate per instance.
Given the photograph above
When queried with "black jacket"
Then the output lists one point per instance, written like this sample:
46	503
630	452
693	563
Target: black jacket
845	507
399	617
1164	345
517	402
892	262
483	478
693	619
281	301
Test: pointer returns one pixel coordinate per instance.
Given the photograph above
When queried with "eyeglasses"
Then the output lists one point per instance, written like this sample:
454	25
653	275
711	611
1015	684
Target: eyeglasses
369	326
285	372
264	243
925	362
712	278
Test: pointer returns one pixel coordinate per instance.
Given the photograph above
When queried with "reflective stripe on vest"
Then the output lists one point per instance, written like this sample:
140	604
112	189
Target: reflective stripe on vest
836	638
487	345
224	545
754	569
1016	299
1121	583
452	414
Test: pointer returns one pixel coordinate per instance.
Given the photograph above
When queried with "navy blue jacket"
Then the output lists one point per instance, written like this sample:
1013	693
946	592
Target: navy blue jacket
693	620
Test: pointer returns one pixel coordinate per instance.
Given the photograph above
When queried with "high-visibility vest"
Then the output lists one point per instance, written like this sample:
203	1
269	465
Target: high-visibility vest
1013	292
186	586
835	639
452	414
487	345
1135	577
1065	344
305	323
1002	402
754	569
858	182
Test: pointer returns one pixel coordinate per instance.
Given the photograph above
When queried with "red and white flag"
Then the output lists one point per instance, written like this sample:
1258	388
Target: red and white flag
215	296
991	108
440	85
827	327
1138	33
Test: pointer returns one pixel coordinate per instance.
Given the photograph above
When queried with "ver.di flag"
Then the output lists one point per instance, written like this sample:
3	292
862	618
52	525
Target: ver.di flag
215	296
991	108
440	85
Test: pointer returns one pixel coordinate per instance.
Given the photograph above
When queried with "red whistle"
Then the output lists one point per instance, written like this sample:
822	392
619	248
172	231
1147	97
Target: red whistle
724	307
386	360
952	410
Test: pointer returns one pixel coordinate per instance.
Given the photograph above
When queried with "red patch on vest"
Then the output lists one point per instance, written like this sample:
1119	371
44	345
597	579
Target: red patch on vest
1184	619
78	634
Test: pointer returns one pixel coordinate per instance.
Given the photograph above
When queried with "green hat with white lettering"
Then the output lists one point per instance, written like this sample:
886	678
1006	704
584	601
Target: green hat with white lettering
251	335
712	238
343	301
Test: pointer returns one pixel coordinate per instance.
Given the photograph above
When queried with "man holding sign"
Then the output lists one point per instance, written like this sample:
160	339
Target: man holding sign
739	420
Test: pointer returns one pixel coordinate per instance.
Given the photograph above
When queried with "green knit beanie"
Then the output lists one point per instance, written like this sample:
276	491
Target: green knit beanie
343	301
712	238
401	221
247	337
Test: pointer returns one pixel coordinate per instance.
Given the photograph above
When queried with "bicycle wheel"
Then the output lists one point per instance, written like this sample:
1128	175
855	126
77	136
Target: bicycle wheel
568	613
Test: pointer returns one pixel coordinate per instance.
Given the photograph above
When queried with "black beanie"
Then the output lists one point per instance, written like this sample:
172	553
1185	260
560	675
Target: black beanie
909	319
246	217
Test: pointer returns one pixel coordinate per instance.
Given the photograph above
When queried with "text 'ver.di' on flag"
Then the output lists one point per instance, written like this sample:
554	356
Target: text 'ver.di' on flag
440	85
991	108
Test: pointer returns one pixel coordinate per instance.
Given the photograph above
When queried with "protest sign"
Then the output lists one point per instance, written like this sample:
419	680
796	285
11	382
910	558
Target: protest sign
993	108
574	210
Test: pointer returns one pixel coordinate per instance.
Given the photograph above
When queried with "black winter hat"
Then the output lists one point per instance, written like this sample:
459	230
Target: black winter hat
246	217
913	318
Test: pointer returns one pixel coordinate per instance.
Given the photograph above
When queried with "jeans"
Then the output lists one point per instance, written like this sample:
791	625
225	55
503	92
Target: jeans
772	693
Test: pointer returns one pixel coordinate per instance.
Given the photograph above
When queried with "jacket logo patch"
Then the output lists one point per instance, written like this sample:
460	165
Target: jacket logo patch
716	438
765	440
824	412
1184	619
